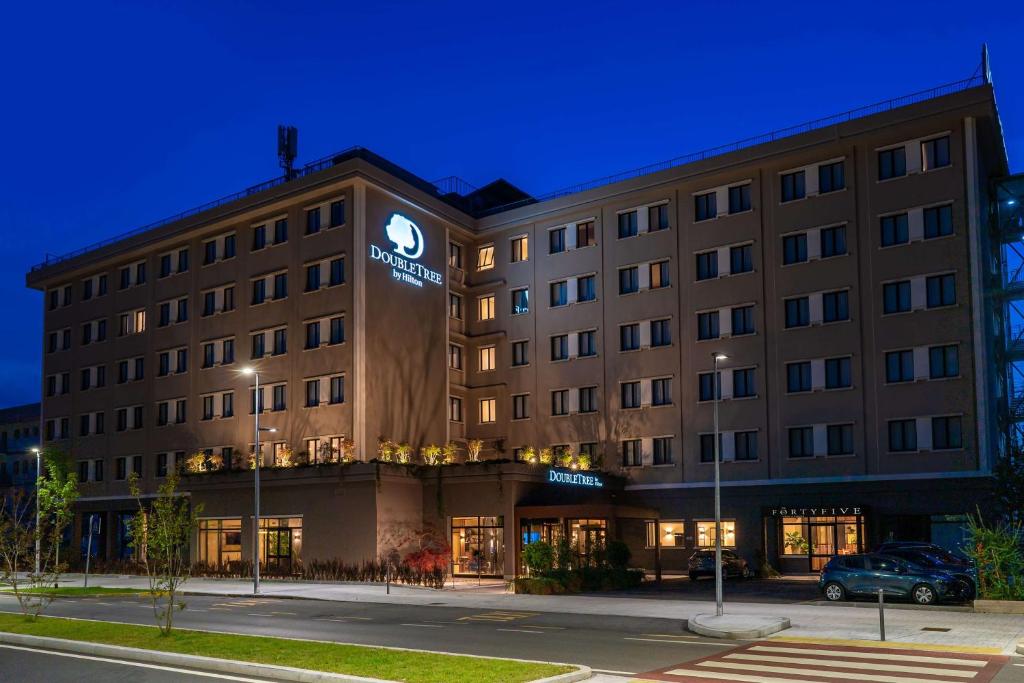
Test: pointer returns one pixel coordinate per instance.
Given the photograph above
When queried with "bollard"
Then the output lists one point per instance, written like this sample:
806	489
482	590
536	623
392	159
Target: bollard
881	614
387	576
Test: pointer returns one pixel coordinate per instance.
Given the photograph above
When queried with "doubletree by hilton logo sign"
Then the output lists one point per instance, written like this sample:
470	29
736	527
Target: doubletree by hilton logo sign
407	246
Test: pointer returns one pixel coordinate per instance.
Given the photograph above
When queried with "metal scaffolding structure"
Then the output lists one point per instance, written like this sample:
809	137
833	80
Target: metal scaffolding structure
1007	216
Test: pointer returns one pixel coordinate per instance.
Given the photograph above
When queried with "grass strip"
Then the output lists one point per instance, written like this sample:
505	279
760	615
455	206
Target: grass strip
392	665
78	591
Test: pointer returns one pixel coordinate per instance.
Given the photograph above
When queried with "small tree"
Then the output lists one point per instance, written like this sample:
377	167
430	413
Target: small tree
449	453
348	449
161	536
996	551
539	557
403	453
529	455
583	460
565	457
431	454
546	457
385	450
473	447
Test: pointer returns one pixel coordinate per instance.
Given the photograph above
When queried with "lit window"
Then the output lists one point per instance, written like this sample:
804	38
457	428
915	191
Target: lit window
485	257
488	411
670	534
485	307
706	534
520	249
487	355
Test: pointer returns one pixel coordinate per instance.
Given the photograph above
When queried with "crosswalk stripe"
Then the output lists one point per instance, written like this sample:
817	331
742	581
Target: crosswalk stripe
740	678
839	664
843	675
871	655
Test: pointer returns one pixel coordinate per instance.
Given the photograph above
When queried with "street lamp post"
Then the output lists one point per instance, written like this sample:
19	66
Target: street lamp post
38	453
257	406
716	389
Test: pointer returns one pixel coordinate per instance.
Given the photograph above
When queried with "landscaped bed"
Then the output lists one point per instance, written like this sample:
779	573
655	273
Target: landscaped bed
79	591
374	662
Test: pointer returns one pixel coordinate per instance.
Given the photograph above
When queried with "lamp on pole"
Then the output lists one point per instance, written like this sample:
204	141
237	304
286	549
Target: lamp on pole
39	471
716	389
257	407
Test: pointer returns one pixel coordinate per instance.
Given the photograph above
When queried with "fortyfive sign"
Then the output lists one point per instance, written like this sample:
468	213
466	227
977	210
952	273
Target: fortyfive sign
408	246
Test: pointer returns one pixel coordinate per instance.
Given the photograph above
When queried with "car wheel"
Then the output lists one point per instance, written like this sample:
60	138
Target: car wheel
834	592
923	594
746	572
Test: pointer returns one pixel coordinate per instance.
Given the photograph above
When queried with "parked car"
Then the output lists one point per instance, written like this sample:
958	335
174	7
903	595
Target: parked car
930	558
702	563
849	575
950	557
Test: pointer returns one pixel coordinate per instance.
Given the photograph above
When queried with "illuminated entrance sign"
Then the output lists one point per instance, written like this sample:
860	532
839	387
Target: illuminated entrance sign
575	479
408	242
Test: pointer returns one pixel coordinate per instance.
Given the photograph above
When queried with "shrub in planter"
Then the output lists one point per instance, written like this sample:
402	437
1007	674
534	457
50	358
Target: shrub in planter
997	553
539	557
618	554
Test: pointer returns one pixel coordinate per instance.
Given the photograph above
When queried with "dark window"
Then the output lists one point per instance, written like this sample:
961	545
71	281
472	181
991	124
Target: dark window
182	260
280	286
209	252
793	186
941	290
165	265
892	163
560	347
259	345
896	297
585	234
587	343
313	335
831	177
837	373
312	393
705	206
313	277
208	355
629	337
798	377
798	312
745	445
337	389
209	303
585	288
559	293
627	224
556	241
313	221
707	387
899	366
632	455
739	198
946	433
833	241
259	237
661	334
835	306
741	259
794	248
280	341
588	401
742	320
229	246
279	397
801	442
935	153
657	218
902	435
707	325
337	330
938	221
895	230
661	391
944	361
560	402
337	213
743	385
521	353
840	439
281	231
630	393
629	280
707	447
259	291
707	265
520	407
663	450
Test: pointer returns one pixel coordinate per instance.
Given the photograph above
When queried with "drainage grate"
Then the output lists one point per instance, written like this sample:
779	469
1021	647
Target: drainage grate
937	629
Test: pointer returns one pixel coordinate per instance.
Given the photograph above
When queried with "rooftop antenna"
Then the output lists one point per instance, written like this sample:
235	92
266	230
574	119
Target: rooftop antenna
287	148
986	69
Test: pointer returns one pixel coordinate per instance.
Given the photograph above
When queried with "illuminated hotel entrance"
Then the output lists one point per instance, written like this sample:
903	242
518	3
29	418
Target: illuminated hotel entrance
806	542
478	546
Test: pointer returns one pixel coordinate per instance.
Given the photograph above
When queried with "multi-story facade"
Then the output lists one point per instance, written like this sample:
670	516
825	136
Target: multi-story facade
841	270
19	435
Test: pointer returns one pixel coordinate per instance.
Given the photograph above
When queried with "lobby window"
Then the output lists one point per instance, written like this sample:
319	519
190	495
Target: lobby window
627	224
585	236
794	249
947	433
629	337
793	186
559	293
896	297
835	306
940	290
662	450
455	306
938	221
485	307
801	442
657	218
520	301
587	402
488	411
902	435
454	356
520	353
742	320
798	377
629	280
741	259
743	383
833	241
837	373
455	255
486	358
739	198
935	153
313	221
707	387
707	325
839	439
485	257
337	325
943	361
337	213
706	534
831	177
892	163
520	248
661	391
556	240
659	276
586	343
798	312
899	366
560	347
707	265
520	406
895	229
705	207
455	409
632	454
630	395
281	231
586	288
661	333
560	402
672	533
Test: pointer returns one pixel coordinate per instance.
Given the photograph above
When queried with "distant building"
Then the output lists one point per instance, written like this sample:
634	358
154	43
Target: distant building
19	434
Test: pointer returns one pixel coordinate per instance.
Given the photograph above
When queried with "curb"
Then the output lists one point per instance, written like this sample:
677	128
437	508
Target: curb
271	671
894	605
779	624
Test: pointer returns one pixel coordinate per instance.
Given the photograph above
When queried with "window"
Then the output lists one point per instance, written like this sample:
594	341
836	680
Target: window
742	320
485	257
337	325
662	450
659	275
313	335
280	341
661	391
705	207
944	361
313	221
661	334
586	343
486	356
741	259
629	280
833	241
455	409
259	237
801	442
313	277
281	231
454	356
520	353
278	397
899	366
587	402
896	297
837	373
559	293
835	306
798	377
743	385
798	312
455	306
831	177
935	153
337	389
485	307
627	224
337	213
902	435
632	455
892	163
707	325
585	234
280	286
739	198
560	347
707	387
520	406
455	255
947	433
941	290
630	393
793	186
520	301
657	218
707	265
259	343
706	534
312	392
556	240
585	288
938	221
707	447
895	230
629	337
259	291
840	439
520	249
794	248
488	412
560	402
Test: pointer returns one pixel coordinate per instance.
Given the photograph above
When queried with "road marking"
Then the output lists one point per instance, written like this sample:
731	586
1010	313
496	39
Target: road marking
613	672
499	615
869	655
517	630
423	625
681	642
892	644
142	665
842	675
257	614
288	613
840	664
668	635
341	619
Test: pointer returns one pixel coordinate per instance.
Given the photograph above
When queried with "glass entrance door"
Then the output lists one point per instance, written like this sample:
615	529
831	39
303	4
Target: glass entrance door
478	546
823	544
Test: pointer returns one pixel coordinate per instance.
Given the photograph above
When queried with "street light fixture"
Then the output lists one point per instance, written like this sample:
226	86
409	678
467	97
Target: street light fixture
716	387
257	406
38	453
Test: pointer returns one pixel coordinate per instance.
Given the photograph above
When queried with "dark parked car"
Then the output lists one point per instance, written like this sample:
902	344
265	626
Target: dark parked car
849	575
702	563
935	558
937	550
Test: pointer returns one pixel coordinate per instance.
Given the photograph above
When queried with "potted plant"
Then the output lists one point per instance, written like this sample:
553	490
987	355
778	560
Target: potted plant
473	447
385	450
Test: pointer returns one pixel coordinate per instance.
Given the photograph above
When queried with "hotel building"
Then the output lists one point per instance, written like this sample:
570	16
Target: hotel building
843	268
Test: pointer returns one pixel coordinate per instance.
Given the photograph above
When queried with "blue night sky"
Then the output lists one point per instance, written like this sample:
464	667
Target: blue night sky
115	115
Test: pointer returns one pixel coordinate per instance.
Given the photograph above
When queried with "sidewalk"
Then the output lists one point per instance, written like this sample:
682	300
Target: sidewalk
968	630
